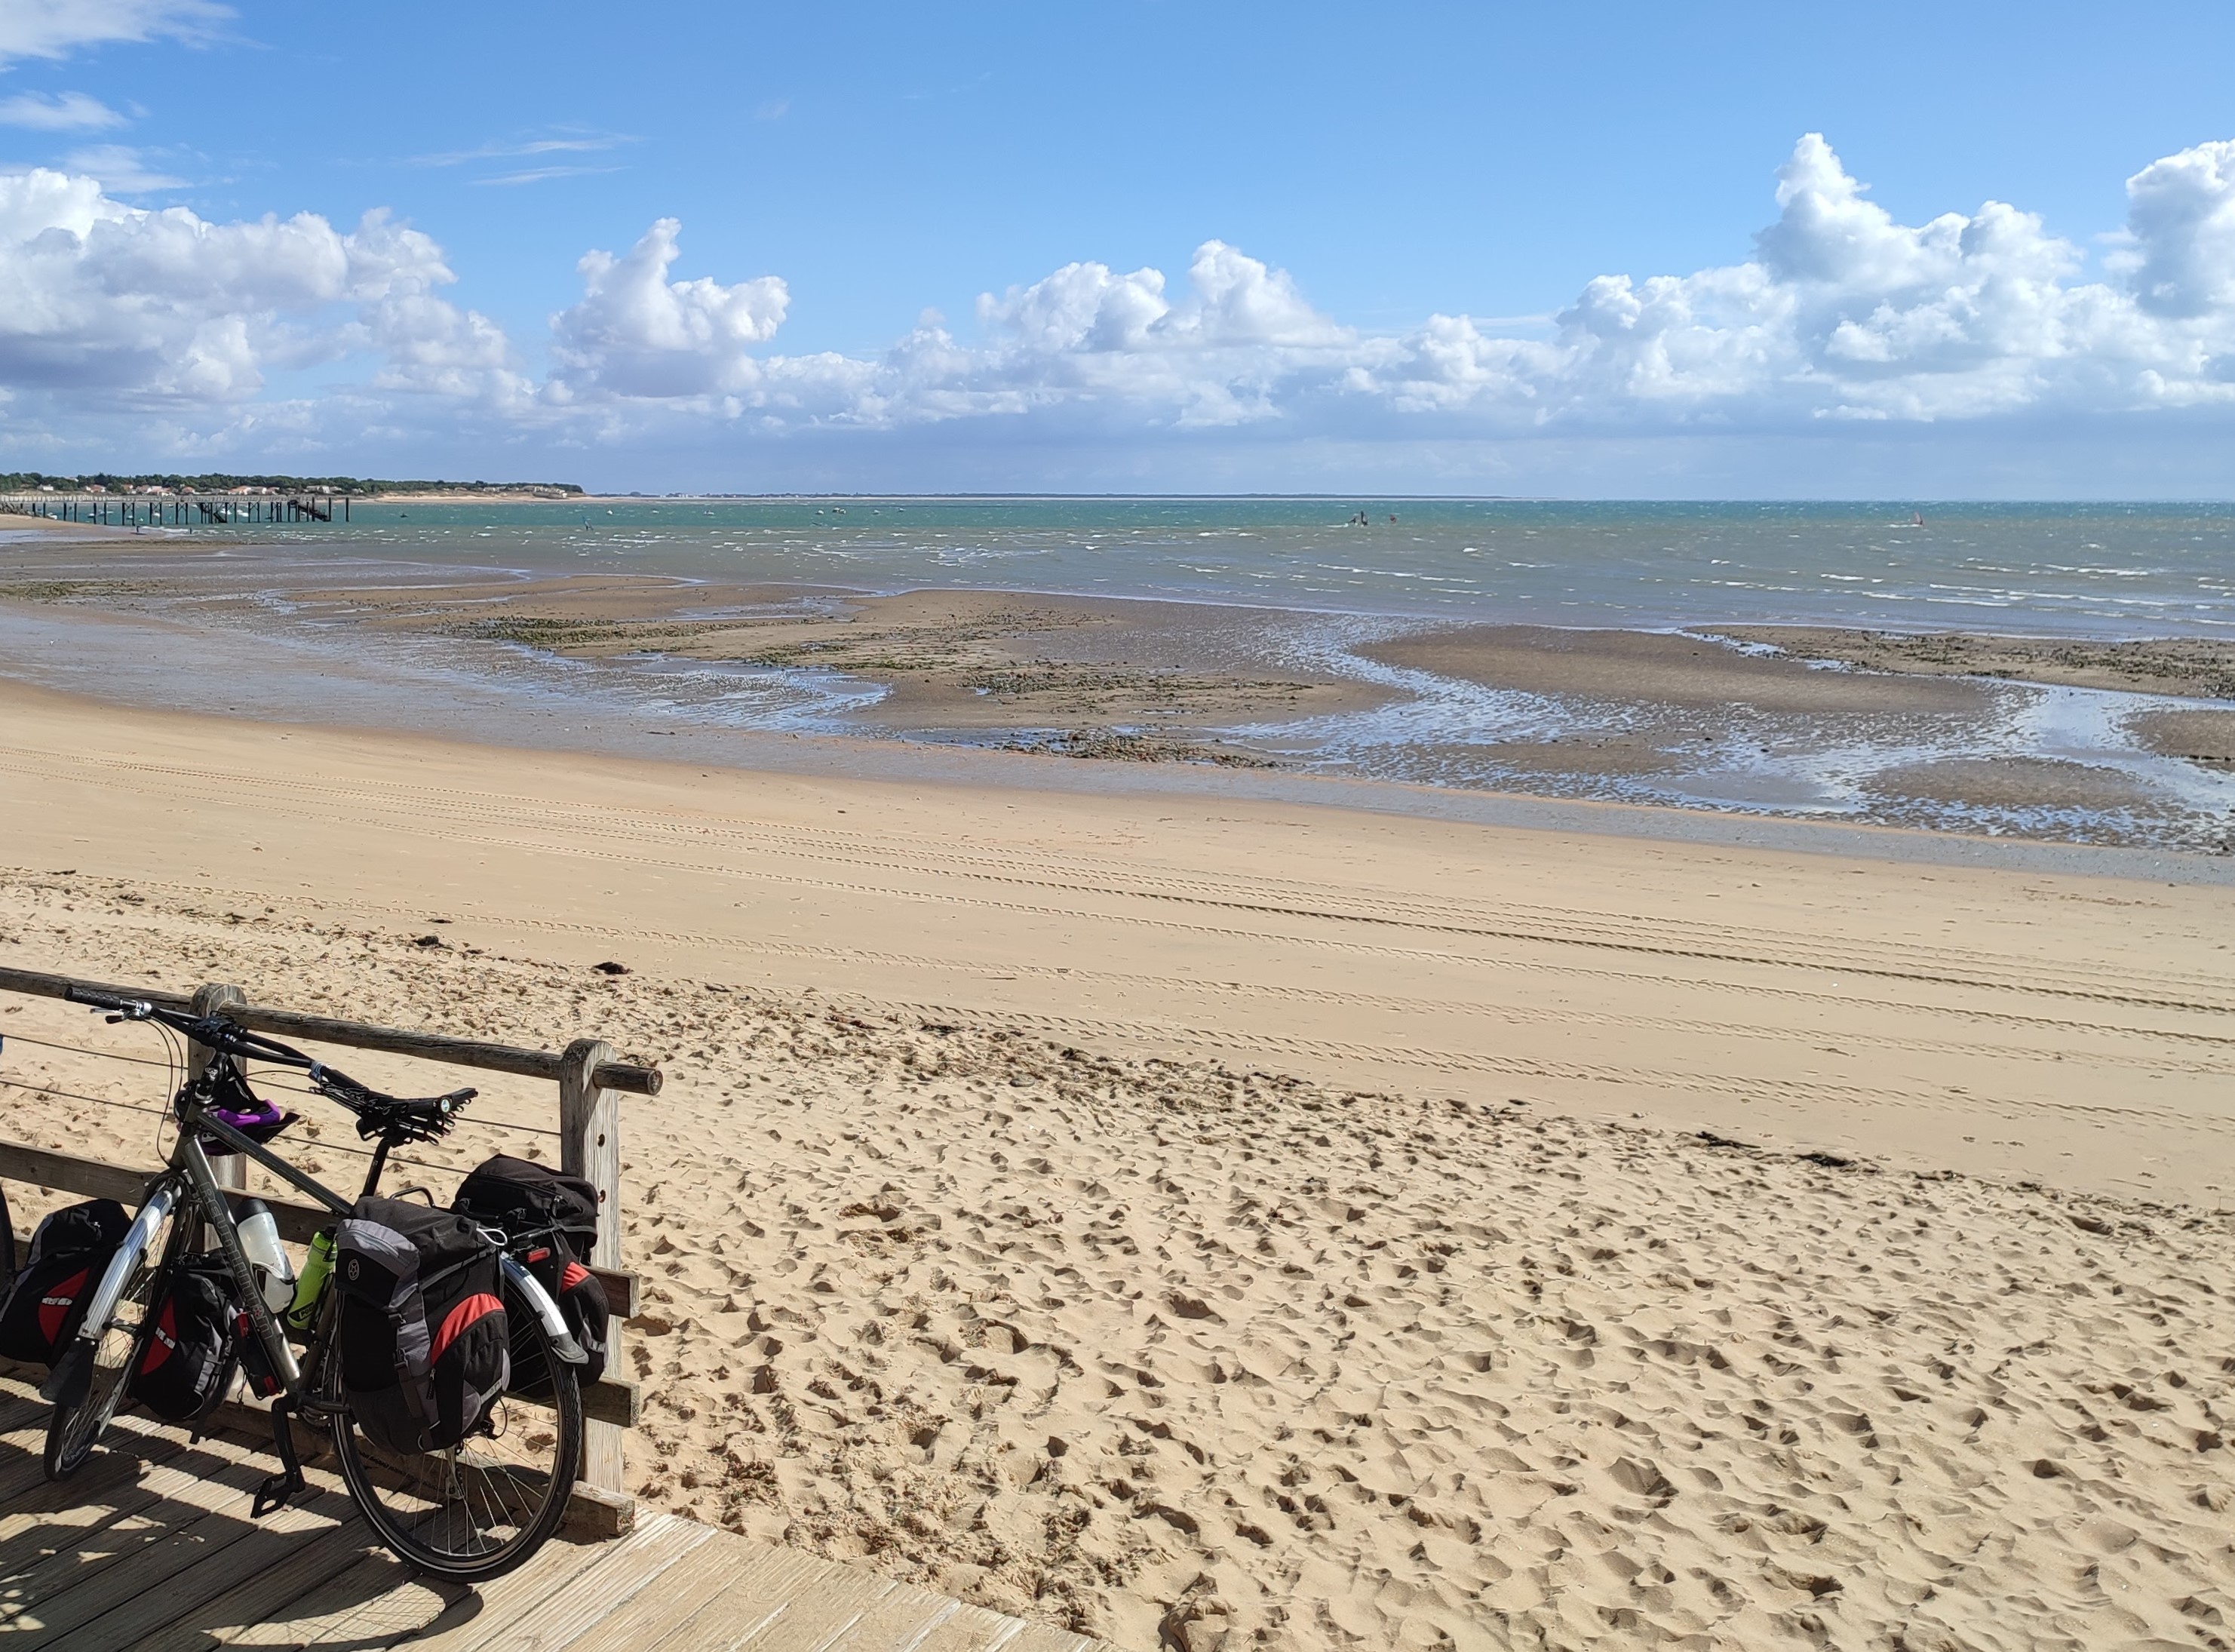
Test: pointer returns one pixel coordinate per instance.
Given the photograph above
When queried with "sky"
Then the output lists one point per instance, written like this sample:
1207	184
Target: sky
1937	250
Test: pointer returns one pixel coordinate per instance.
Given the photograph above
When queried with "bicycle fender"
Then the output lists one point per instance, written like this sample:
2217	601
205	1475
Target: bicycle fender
554	1323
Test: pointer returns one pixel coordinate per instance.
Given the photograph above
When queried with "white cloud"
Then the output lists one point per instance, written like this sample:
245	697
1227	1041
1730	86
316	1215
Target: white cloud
1845	313
540	175
1841	316
636	333
123	169
58	111
107	303
523	148
1842	313
54	28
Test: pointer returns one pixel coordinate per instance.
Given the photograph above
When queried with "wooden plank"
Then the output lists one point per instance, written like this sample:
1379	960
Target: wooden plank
577	1613
379	1595
559	1612
39	984
589	1147
106	1489
844	1607
400	1617
70	1174
337	1550
436	1046
322	1029
724	1567
141	1552
303	1539
759	1585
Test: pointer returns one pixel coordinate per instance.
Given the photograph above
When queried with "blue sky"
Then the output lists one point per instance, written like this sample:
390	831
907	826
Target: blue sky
1382	241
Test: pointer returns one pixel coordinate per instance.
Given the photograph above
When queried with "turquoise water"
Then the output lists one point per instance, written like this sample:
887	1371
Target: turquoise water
2110	570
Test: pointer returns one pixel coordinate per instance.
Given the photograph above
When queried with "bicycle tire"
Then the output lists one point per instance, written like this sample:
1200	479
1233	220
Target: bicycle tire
73	1428
422	1506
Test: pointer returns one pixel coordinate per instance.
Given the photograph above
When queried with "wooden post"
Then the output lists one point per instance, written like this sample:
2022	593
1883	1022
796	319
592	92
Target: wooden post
229	1169
589	1147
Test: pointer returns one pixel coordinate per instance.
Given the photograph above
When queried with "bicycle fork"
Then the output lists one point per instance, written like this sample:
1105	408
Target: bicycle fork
66	1384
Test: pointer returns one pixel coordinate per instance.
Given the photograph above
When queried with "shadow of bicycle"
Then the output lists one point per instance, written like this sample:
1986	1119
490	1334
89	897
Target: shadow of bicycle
149	1546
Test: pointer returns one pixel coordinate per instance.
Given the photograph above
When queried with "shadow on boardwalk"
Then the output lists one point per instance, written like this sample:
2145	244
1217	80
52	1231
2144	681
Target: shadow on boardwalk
150	1549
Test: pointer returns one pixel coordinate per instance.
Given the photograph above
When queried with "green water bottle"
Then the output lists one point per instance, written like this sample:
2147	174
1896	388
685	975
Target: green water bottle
311	1283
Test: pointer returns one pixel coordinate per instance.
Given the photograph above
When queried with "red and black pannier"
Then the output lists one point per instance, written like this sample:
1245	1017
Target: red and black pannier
425	1343
188	1360
549	1220
70	1252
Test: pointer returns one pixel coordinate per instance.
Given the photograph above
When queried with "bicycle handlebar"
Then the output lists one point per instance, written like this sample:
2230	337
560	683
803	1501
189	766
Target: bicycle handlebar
421	1117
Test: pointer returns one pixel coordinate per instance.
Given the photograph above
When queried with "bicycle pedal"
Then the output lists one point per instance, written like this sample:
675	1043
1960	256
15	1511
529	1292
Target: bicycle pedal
277	1491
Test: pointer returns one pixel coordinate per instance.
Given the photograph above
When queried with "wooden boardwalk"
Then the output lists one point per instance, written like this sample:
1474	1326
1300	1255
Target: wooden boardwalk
150	1549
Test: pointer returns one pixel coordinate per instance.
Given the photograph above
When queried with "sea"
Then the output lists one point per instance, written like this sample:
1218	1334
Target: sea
2083	570
1338	572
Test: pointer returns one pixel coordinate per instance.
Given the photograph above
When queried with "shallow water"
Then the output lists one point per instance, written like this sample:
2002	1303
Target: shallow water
2080	570
2110	570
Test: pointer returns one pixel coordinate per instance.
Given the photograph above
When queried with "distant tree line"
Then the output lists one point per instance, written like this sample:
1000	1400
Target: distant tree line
218	482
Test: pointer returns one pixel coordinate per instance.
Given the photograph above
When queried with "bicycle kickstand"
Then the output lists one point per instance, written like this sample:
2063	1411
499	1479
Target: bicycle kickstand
278	1490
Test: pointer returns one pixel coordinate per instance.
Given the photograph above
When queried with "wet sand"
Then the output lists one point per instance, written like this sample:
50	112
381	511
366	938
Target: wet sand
2201	667
1687	674
950	659
1901	733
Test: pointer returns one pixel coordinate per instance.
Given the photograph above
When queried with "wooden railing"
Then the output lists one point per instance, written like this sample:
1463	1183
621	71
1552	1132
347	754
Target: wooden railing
591	1079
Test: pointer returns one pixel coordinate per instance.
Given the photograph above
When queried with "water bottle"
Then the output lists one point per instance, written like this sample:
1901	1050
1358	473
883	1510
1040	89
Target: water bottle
311	1286
268	1262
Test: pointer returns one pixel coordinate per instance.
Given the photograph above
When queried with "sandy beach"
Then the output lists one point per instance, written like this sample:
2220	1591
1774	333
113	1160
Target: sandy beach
1221	1222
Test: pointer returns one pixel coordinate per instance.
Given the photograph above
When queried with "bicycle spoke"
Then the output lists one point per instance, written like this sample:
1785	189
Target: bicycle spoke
482	1507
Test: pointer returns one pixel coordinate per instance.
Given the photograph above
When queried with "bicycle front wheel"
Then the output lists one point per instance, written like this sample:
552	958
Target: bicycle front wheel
76	1423
482	1507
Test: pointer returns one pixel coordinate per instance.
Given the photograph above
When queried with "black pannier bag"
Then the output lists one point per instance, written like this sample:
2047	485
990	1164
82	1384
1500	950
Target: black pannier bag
70	1252
523	1199
188	1360
582	1304
550	1222
425	1344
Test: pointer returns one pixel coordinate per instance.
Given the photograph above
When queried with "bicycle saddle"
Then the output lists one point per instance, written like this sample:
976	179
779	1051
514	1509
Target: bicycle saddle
420	1117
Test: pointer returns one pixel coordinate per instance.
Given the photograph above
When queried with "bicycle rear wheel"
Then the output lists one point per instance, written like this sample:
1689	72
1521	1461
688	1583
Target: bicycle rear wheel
76	1423
482	1507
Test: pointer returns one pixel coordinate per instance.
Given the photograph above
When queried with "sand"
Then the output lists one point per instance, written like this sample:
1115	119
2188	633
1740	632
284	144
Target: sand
1218	1225
2202	667
1669	672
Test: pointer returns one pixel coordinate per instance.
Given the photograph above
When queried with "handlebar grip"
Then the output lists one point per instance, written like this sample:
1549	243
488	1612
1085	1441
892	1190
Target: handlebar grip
92	999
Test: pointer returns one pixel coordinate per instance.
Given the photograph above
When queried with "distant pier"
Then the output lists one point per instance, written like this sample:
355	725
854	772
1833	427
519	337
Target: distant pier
178	510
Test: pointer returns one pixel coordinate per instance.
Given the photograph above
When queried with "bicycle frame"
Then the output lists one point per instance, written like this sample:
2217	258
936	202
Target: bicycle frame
190	1162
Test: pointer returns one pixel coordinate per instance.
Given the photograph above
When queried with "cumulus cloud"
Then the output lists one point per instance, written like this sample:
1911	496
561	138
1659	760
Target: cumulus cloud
1841	314
58	111
107	302
638	334
1838	313
57	28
